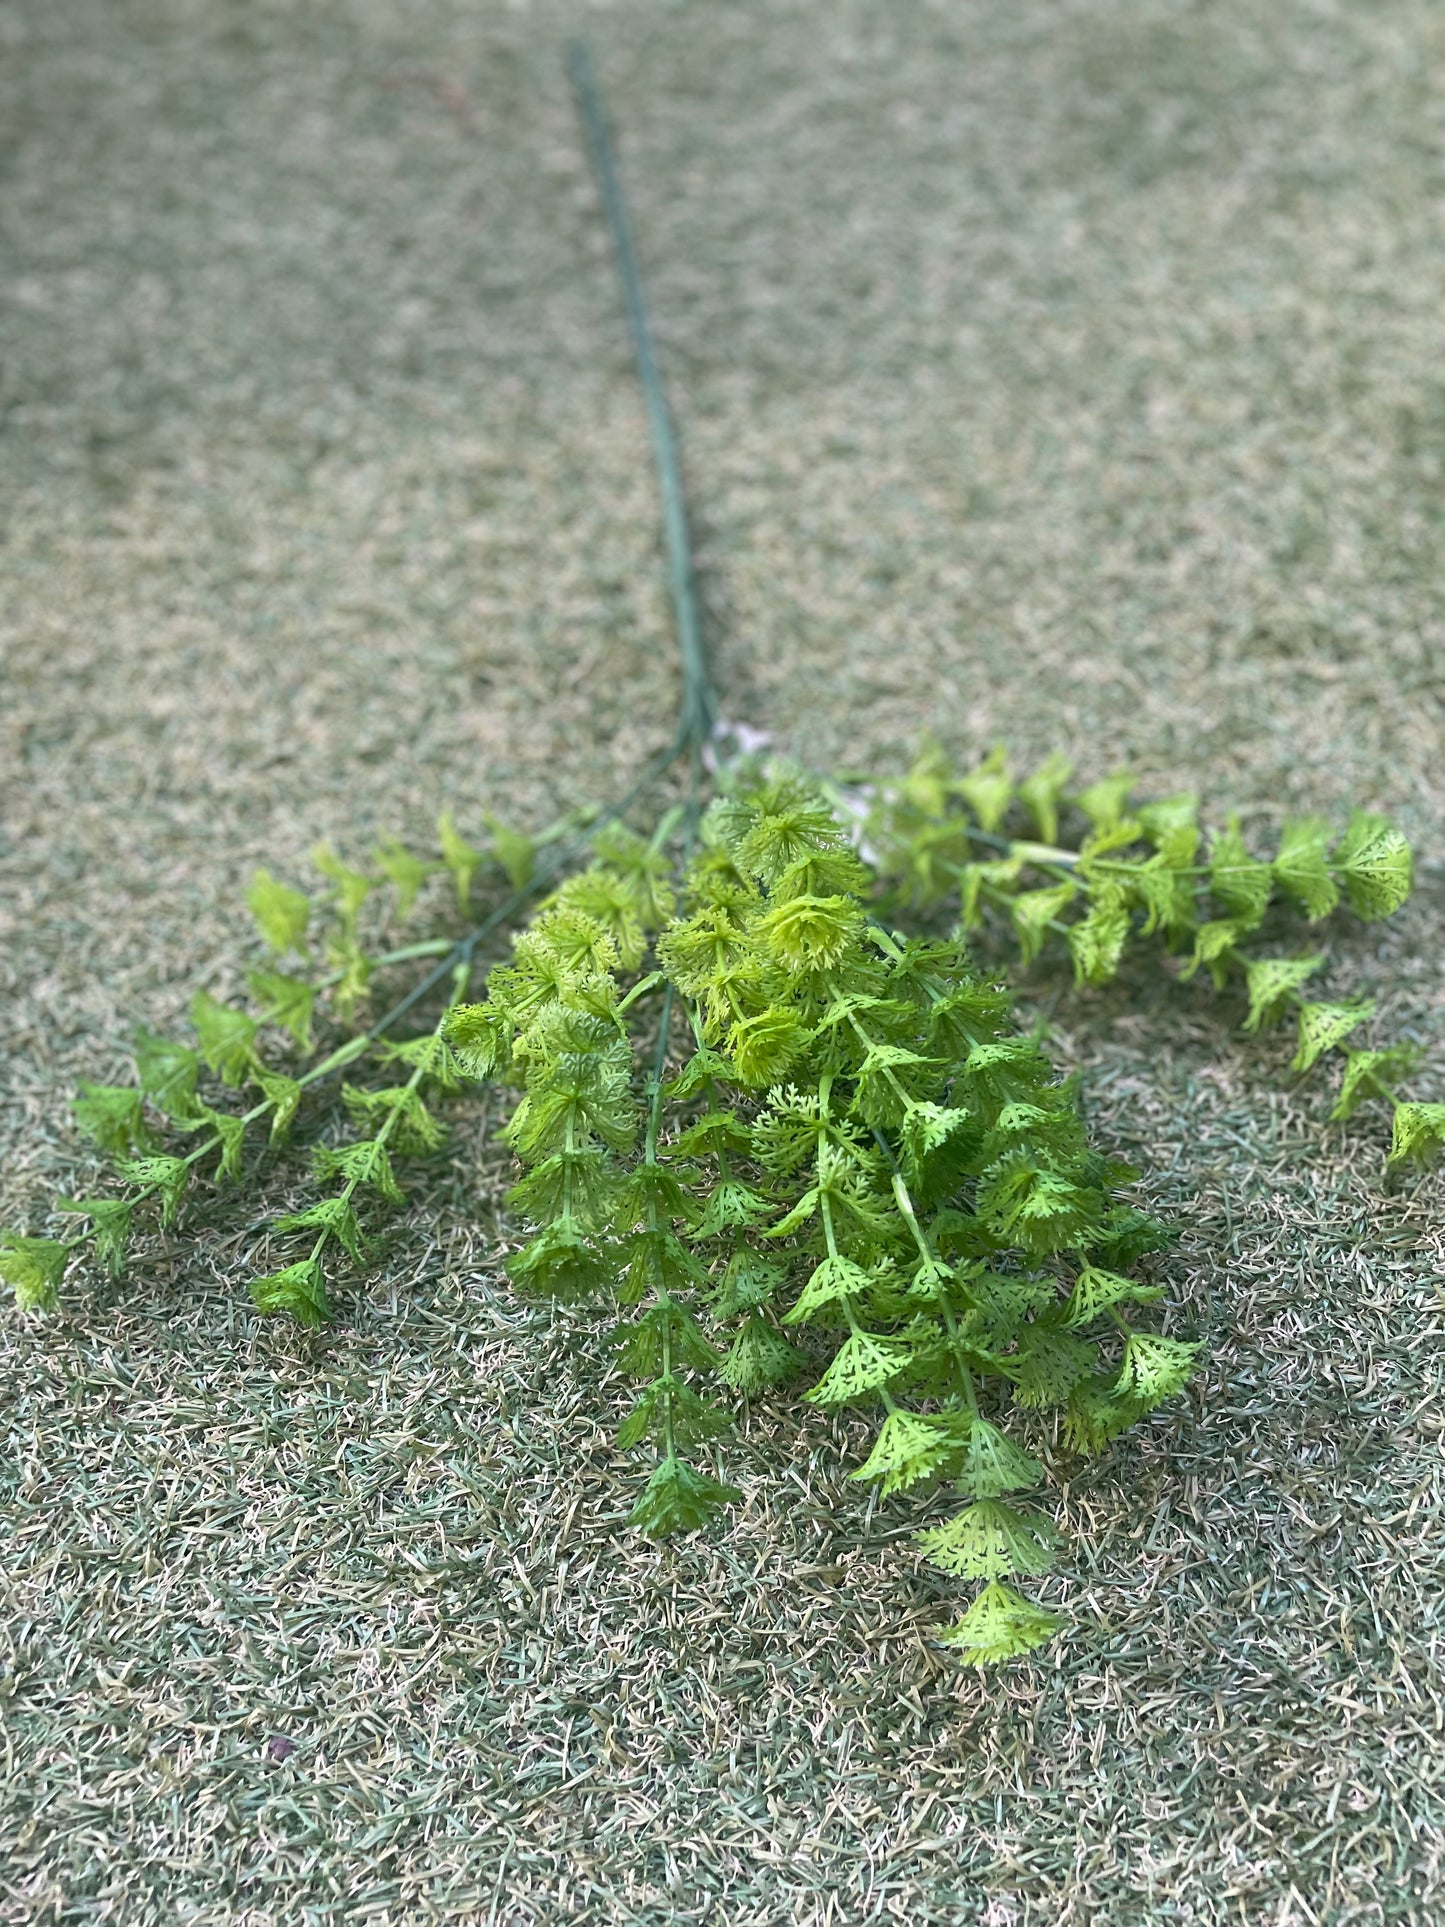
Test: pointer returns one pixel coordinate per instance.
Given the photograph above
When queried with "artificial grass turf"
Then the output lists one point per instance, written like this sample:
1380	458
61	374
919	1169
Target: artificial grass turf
1063	373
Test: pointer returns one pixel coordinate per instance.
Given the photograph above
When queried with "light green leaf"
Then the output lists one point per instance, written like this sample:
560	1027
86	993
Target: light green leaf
810	933
1103	802
433	1056
1171	821
990	1540
298	1291
1418	1134
1323	1026
1241	885
1034	910
334	1216
560	1262
404	871
999	1625
678	1498
764	1047
670	1398
459	857
226	1038
1155	1368
516	853
355	968
1302	868
865	1363
353	887
167	1073
1096	1414
1370	1073
988	790
759	1357
1041	792
230	1133
1270	980
284	1095
908	1448
281	914
1047	1365
977	878
364	1163
1214	945
834	1280
481	1037
1096	1289
750	1280
414	1132
993	1464
1096	942
731	1205
33	1269
112	1116
1376	864
109	1225
1166	889
285	1001
167	1175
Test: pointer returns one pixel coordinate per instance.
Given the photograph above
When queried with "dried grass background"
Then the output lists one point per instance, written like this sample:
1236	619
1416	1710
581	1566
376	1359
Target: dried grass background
1066	370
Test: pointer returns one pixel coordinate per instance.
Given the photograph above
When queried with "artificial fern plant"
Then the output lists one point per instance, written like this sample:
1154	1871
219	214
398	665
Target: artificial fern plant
770	1107
768	1103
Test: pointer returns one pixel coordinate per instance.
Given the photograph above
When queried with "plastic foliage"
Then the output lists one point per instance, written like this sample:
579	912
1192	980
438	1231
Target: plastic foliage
770	1110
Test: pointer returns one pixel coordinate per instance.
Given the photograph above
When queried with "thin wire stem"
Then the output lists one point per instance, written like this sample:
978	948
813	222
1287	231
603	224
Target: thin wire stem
697	712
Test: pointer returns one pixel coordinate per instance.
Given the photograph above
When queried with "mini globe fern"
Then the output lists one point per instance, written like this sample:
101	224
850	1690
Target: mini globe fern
799	1147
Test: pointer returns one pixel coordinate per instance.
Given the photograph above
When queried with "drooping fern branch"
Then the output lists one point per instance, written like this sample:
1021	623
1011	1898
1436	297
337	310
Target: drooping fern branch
1131	872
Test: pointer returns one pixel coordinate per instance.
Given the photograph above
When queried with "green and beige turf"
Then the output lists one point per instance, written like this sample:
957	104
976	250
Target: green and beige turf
1063	374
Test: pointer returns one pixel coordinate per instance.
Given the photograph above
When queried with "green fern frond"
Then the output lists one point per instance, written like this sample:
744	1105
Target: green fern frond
112	1116
1324	1027
169	1176
281	913
1155	1368
286	1002
991	1540
33	1268
1042	792
1000	1625
908	1449
1302	867
110	1223
404	870
988	790
167	1074
993	1464
458	858
1376	865
1370	1073
760	1358
516	852
367	1162
1418	1133
226	1037
297	1291
679	1498
1272	980
336	1217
